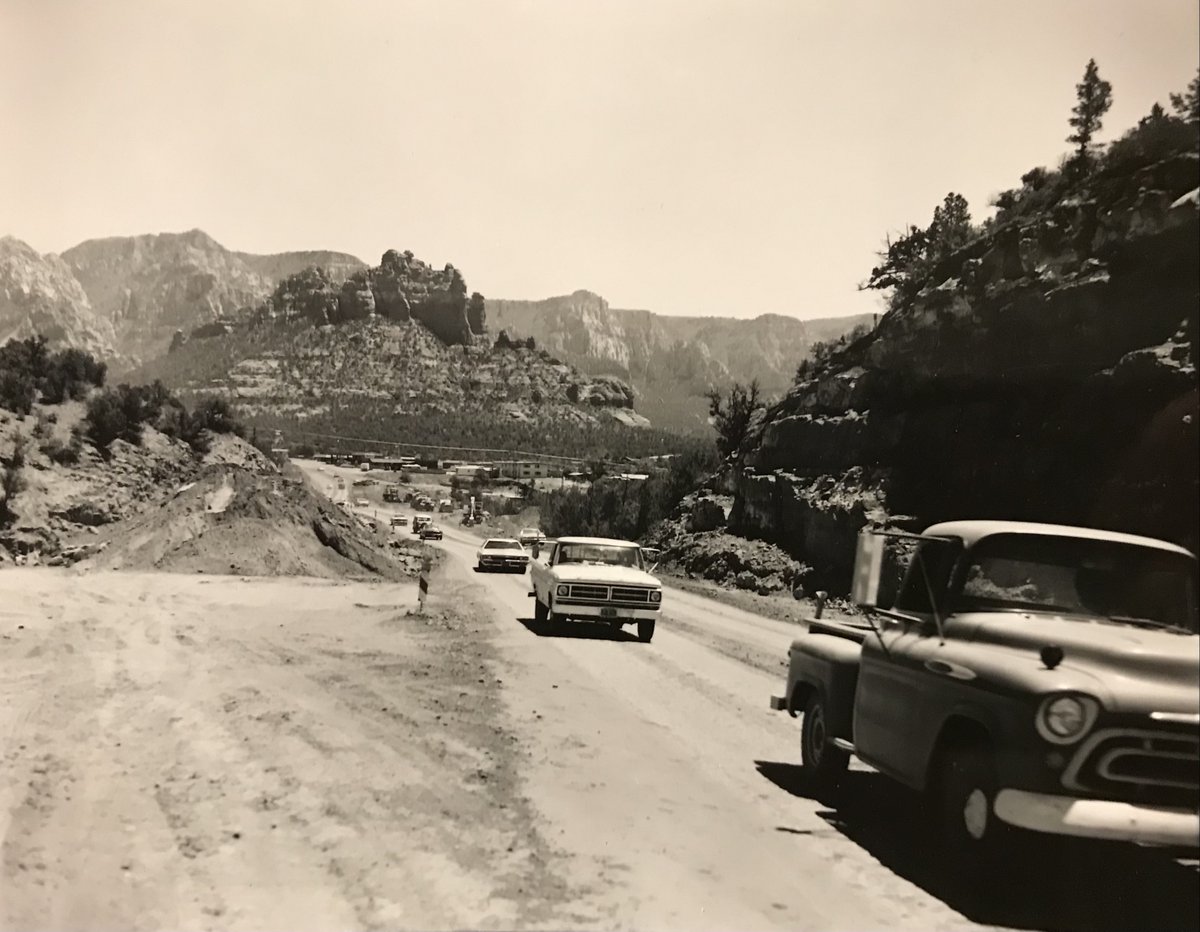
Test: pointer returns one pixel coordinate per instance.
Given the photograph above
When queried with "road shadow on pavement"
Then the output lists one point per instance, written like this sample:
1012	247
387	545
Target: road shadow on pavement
583	630
1062	885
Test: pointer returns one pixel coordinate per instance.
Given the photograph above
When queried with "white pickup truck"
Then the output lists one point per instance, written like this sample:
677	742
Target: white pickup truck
595	579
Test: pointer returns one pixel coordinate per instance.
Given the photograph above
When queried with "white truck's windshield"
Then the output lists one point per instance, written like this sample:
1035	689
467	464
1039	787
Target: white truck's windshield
1078	576
599	555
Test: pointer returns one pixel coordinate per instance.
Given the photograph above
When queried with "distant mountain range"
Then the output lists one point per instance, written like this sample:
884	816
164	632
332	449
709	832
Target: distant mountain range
130	299
124	297
671	361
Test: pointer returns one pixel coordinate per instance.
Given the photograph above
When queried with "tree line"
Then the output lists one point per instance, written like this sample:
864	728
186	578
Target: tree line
627	509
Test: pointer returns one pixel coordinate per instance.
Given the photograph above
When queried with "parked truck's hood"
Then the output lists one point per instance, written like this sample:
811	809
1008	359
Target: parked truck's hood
605	575
1131	669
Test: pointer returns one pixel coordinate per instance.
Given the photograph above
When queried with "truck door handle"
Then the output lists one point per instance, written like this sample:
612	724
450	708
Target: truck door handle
952	670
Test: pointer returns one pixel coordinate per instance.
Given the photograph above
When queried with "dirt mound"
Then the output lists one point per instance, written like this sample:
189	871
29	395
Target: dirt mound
237	521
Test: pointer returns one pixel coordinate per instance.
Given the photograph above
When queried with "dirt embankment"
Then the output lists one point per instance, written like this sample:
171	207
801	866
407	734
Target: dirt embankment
234	520
157	505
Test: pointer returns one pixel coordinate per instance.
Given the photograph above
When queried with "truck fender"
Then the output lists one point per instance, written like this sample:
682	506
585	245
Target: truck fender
829	666
965	723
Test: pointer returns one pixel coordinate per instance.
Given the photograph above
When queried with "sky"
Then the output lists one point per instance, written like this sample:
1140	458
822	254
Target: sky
724	158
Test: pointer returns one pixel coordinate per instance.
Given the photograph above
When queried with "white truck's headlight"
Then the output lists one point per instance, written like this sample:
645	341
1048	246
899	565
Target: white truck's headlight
655	595
1066	717
562	590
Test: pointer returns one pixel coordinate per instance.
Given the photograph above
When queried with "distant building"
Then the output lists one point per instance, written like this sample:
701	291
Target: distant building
525	469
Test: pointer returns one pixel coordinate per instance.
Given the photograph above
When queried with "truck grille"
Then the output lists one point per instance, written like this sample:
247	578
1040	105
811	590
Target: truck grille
1138	764
630	594
593	593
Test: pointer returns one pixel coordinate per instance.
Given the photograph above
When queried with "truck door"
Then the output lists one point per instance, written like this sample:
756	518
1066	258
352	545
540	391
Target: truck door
895	708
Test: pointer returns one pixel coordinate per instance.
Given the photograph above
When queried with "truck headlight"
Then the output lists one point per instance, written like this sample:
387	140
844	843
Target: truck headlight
655	595
1066	717
562	590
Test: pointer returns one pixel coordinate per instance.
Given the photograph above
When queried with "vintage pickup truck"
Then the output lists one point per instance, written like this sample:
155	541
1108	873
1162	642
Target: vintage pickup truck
595	579
1027	677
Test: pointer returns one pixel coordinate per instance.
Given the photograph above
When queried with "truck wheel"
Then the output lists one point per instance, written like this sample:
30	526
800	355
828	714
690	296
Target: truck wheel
973	840
822	760
645	631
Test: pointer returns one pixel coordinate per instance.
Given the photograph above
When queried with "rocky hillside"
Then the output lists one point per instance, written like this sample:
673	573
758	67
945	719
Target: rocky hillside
40	295
150	286
671	361
1043	371
390	379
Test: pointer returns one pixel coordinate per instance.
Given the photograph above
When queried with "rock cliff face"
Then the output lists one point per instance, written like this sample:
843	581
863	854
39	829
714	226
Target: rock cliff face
1045	372
671	361
400	288
149	286
40	295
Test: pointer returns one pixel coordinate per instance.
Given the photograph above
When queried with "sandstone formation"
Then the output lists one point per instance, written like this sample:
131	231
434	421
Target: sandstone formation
400	288
391	367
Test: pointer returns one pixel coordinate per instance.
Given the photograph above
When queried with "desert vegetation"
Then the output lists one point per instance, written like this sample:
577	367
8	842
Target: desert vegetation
628	509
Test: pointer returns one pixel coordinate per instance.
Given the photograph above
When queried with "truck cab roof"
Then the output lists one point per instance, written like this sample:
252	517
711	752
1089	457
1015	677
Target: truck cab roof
971	532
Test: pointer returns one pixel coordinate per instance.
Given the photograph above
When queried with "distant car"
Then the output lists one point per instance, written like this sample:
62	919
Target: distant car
399	520
362	503
530	535
419	522
501	553
431	532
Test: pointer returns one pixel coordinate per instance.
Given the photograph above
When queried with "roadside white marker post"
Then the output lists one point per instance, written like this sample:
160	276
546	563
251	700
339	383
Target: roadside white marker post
423	584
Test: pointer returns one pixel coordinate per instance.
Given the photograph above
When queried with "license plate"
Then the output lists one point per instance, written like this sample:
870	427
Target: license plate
608	613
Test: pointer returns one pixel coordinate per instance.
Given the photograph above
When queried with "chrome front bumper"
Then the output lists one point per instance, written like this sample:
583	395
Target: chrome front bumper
598	612
1099	818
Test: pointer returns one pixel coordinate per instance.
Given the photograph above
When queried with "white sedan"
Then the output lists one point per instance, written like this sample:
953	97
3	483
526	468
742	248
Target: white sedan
501	553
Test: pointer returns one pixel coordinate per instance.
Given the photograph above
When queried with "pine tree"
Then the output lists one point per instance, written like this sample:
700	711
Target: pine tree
1094	97
1187	104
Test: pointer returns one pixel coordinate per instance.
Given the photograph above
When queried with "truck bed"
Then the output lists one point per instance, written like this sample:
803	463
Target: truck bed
852	630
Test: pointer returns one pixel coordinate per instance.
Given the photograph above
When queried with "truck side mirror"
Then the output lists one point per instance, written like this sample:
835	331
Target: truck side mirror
868	570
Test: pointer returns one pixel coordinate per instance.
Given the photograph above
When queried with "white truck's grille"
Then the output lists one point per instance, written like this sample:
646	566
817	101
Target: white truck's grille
586	591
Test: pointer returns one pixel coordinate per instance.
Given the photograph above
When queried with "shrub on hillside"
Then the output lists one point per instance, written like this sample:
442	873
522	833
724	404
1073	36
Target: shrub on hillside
175	421
216	415
12	481
64	454
29	371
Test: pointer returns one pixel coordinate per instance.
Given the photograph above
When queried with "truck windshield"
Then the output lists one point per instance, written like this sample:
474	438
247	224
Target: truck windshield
1126	583
599	554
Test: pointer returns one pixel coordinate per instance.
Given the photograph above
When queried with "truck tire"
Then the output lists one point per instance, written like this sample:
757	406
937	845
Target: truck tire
645	631
822	760
975	844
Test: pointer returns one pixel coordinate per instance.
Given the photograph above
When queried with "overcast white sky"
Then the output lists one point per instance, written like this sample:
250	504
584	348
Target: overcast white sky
687	156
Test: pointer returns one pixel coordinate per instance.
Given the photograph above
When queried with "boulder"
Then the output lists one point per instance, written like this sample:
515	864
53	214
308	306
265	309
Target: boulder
705	514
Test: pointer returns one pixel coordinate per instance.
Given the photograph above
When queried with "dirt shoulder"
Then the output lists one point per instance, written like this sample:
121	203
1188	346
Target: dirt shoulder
199	752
